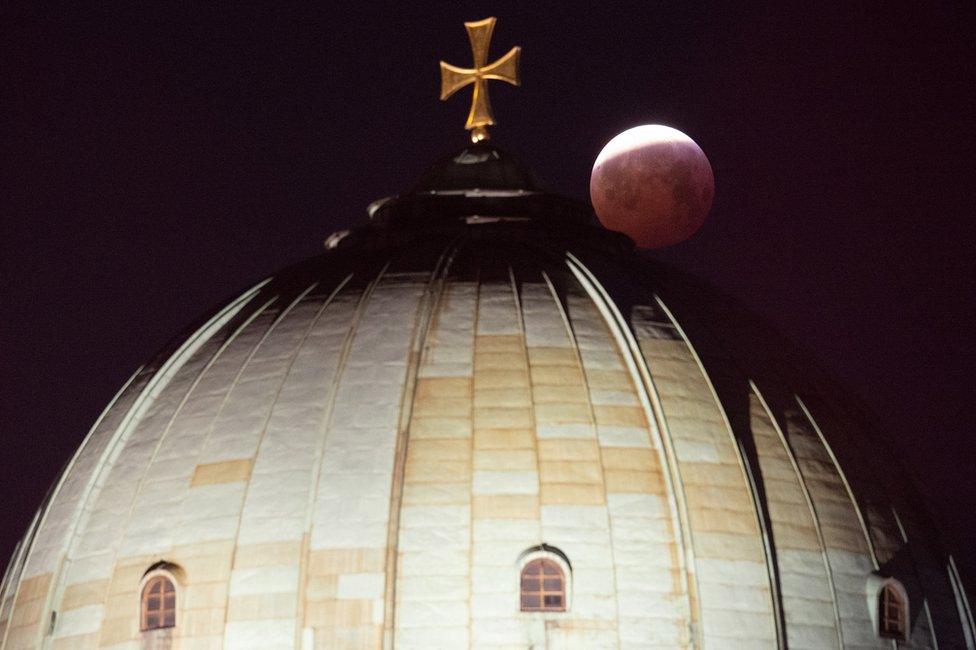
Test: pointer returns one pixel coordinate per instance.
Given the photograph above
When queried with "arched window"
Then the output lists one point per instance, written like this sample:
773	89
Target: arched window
892	612
543	586
158	603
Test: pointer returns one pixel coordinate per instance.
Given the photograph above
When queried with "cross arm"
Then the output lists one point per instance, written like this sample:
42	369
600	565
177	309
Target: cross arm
506	68
454	79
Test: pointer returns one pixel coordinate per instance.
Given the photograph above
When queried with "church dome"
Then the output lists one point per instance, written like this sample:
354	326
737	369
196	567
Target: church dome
481	420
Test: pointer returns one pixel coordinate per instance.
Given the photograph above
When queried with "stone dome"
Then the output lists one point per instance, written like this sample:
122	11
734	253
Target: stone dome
480	420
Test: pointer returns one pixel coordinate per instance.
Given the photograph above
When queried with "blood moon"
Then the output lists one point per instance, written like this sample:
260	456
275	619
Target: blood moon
654	184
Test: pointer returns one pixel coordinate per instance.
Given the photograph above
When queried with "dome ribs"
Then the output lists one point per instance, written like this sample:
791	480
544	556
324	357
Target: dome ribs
641	504
806	580
368	448
727	538
348	538
186	507
573	480
433	537
84	513
270	538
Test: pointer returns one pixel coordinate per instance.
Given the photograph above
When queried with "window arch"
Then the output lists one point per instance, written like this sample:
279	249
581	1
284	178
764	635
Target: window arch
542	586
892	611
158	603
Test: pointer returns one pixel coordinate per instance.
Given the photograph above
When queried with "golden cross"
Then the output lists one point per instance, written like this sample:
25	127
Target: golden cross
505	69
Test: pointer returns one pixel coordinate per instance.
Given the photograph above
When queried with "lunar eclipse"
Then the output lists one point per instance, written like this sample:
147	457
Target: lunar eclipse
654	184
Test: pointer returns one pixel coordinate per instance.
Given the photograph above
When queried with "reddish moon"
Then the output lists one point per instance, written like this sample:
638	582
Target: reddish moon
654	184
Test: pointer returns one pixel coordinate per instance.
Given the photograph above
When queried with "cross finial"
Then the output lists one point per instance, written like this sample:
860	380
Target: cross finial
504	69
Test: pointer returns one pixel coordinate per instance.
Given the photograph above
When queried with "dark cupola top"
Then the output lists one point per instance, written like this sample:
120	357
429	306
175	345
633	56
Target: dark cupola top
480	182
477	168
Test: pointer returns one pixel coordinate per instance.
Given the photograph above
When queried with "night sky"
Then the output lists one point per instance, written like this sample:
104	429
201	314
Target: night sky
157	163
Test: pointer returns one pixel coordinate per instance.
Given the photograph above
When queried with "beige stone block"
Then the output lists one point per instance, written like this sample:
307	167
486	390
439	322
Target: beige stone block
118	629
214	548
319	612
633	481
351	613
737	497
498	343
518	396
728	546
499	459
205	595
27	612
502	418
438	449
564	413
126	577
557	376
35	587
228	471
321	587
206	568
441	387
783	493
721	520
440	427
88	641
505	506
84	593
843	538
268	554
573	394
642	460
577	494
120	605
437	471
21	637
553	356
253	607
439	493
789	535
497	361
490	378
442	406
567	471
505	438
696	474
201	622
362	637
334	561
619	416
76	642
579	449
598	379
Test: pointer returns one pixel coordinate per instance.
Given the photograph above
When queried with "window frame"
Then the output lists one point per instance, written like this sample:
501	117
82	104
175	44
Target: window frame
557	557
895	588
158	572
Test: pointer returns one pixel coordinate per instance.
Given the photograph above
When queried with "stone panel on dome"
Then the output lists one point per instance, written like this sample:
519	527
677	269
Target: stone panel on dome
730	566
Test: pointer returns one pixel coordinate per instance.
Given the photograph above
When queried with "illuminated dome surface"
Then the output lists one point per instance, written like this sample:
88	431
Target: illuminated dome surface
481	421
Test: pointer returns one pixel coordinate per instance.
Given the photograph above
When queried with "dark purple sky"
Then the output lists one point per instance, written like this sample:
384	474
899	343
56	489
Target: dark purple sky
157	163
